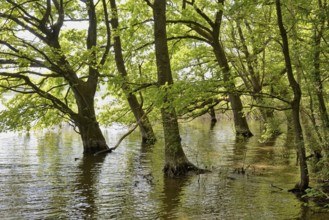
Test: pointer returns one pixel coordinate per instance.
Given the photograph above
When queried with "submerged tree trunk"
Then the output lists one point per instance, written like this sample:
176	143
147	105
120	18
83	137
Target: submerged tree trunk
295	104
144	124
142	119
212	115
240	121
89	129
255	82
212	37
176	162
92	137
84	92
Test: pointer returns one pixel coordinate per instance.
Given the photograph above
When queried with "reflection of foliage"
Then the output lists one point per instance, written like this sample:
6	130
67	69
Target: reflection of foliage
271	129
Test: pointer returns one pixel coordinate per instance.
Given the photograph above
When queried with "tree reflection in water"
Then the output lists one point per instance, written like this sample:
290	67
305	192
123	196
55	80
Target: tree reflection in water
86	186
40	178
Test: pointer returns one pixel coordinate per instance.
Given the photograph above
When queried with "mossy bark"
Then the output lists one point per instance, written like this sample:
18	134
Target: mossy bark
176	162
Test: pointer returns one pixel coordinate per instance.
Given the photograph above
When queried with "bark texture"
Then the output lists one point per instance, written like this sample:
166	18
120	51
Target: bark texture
92	137
176	162
295	103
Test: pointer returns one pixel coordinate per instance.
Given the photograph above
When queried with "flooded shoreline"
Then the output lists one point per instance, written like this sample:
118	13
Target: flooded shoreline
44	176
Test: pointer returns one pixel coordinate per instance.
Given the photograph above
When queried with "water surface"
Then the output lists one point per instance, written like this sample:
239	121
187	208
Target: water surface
44	176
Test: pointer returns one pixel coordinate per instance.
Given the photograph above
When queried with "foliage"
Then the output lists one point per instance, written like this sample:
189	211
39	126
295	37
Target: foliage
40	113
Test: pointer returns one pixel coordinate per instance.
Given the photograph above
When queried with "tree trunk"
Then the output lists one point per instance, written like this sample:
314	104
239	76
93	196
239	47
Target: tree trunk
92	137
144	124
240	121
142	119
212	115
295	104
317	75
176	162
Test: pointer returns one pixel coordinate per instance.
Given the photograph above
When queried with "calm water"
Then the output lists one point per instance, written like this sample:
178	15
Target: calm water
44	176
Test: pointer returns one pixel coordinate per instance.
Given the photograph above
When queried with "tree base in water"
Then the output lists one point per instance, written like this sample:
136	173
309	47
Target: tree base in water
149	141
298	189
246	134
174	170
96	150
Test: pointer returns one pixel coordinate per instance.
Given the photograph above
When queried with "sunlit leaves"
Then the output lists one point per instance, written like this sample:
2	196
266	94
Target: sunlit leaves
26	113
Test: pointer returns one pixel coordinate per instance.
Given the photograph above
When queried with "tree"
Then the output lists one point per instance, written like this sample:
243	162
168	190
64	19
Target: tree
318	36
208	31
142	119
176	163
54	66
295	103
249	45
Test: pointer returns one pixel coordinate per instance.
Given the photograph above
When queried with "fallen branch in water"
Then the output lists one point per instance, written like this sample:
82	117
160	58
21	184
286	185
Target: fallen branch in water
126	134
276	187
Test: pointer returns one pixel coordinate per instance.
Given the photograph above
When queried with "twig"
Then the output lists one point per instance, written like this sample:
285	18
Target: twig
276	187
126	134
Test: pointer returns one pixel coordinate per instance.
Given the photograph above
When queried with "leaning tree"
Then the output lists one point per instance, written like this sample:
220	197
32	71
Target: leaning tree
202	22
295	103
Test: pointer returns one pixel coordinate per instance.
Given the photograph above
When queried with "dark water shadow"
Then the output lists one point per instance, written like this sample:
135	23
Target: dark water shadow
172	196
147	147
86	186
240	146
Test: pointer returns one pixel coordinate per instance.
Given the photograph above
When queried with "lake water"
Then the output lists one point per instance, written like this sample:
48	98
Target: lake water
44	176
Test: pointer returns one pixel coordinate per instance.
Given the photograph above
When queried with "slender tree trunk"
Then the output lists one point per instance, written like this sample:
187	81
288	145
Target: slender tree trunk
176	162
212	115
295	104
318	32
144	124
143	121
240	121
